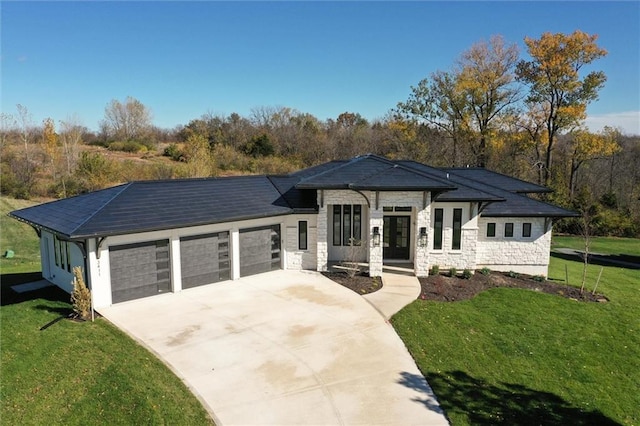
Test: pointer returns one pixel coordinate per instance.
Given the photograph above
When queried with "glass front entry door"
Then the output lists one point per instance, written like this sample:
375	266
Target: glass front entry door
396	237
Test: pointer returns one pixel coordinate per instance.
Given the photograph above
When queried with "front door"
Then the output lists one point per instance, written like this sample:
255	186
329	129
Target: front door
396	237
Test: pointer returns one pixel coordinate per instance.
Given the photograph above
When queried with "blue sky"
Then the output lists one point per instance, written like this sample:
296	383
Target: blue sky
183	59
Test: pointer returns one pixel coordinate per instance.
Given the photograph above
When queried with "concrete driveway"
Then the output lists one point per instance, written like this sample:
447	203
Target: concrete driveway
283	347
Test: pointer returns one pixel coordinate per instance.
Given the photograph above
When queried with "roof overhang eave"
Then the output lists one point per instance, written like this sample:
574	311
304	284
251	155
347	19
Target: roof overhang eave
80	237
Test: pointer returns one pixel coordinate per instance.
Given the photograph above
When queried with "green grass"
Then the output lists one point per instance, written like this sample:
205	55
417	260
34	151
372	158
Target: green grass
81	373
18	237
513	356
605	245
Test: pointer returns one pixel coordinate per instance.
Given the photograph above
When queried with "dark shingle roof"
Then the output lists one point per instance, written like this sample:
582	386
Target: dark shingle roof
499	180
511	203
370	172
154	205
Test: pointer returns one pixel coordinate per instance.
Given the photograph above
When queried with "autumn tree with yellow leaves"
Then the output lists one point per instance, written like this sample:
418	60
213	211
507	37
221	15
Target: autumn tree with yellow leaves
467	101
554	81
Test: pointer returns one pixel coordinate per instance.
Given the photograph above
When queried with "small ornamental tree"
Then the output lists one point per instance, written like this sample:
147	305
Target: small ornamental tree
81	296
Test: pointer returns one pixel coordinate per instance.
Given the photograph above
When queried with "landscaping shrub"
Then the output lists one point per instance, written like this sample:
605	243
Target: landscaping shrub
513	274
435	270
485	271
466	274
80	297
174	152
539	278
453	272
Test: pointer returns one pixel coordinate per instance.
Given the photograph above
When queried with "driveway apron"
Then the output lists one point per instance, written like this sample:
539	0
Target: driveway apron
285	348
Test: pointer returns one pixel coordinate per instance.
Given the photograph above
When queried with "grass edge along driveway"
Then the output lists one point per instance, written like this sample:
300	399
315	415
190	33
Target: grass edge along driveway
80	373
513	356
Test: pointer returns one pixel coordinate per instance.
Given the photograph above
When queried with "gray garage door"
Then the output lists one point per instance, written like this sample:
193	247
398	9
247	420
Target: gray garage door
259	250
204	259
139	270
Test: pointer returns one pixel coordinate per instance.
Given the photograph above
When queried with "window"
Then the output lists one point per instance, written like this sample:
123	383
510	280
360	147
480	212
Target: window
508	229
56	249
302	235
68	256
347	225
437	229
457	229
526	230
337	225
491	229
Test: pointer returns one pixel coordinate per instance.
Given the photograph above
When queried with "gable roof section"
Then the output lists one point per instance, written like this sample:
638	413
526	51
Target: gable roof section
370	172
155	205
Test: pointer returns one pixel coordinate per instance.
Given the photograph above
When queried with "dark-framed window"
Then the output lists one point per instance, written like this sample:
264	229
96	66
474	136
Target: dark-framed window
68	246
337	225
347	224
526	230
56	249
302	235
456	242
438	218
491	229
508	229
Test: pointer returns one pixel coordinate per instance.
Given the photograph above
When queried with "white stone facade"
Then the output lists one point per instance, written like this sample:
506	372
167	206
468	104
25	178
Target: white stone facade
447	257
527	255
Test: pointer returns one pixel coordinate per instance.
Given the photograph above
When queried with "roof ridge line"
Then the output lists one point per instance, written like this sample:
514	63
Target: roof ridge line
124	186
346	163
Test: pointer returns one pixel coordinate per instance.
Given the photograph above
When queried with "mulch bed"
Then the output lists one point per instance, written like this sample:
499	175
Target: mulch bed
451	289
361	283
442	288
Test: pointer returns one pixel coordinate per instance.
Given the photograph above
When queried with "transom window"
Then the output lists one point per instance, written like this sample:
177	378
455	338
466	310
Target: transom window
347	225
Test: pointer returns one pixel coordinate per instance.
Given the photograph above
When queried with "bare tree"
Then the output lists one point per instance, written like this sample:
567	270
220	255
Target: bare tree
130	120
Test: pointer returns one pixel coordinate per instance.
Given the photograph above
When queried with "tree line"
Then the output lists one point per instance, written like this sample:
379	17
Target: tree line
524	118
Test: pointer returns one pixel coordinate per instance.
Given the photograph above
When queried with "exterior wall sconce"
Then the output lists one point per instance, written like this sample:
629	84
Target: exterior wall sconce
376	236
422	238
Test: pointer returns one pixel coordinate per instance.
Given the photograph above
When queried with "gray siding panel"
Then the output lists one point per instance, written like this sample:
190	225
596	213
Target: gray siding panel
139	270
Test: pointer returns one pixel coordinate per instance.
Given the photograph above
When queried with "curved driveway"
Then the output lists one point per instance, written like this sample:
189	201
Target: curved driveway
283	347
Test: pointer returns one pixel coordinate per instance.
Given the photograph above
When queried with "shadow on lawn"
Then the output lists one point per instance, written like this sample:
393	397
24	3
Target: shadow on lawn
483	403
10	297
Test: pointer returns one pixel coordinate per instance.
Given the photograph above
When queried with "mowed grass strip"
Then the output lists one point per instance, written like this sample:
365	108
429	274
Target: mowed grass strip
606	245
82	373
513	356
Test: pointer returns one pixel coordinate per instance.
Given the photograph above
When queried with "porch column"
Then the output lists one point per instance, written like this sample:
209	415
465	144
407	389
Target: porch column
322	254
176	266
421	258
375	253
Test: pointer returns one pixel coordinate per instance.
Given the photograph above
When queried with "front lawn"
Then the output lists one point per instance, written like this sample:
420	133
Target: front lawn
511	356
80	373
606	245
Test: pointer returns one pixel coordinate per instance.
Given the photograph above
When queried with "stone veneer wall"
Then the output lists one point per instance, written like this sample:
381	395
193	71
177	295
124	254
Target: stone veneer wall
517	253
295	258
465	258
